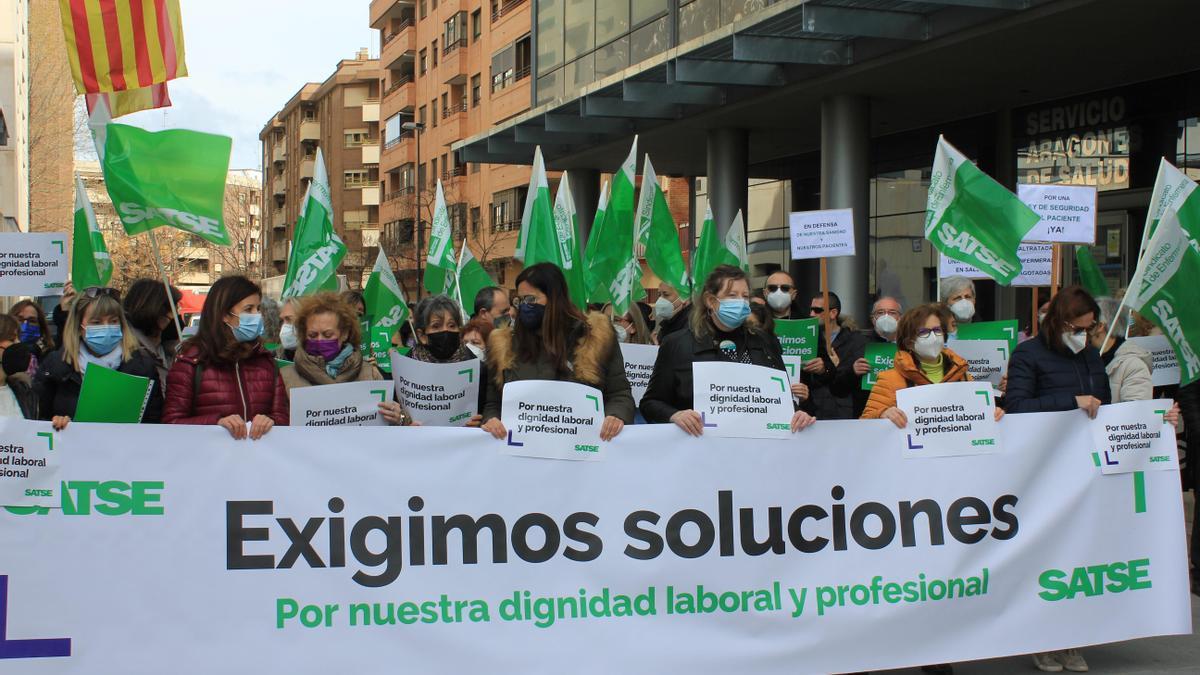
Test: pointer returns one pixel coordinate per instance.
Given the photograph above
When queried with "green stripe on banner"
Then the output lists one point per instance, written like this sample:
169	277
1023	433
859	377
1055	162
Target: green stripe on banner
1139	492
1096	458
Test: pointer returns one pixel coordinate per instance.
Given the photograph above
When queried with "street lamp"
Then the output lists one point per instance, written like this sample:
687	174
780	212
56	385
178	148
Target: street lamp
417	128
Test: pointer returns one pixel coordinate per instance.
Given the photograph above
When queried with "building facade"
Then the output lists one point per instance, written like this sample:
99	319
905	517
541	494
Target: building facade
341	116
14	115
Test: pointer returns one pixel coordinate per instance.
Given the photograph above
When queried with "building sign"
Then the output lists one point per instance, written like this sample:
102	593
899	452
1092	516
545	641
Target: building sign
1083	142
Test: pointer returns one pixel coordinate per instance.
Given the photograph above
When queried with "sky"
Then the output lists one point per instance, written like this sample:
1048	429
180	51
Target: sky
246	58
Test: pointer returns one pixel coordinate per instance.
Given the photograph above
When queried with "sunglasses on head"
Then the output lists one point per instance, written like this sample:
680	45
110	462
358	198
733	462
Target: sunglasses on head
97	291
786	288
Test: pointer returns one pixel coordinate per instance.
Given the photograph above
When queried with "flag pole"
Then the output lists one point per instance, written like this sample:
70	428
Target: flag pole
825	312
166	284
1034	319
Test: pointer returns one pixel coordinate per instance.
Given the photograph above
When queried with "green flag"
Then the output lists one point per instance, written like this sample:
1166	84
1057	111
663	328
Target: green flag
472	278
316	249
174	178
1165	282
537	241
658	235
440	265
971	218
1090	276
386	309
90	263
714	250
566	227
612	271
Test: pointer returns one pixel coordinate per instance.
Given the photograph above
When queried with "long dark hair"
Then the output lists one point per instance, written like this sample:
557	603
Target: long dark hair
1067	305
560	320
214	341
146	302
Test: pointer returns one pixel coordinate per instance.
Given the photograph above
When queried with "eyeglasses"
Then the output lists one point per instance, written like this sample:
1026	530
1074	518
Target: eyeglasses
1076	330
816	310
97	291
527	300
926	332
786	288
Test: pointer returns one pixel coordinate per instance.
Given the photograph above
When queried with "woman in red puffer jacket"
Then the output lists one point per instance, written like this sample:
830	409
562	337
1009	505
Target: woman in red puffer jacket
224	375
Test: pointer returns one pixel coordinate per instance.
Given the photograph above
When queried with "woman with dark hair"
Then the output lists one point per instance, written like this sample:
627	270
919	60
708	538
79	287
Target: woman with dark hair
630	326
357	302
553	340
149	313
35	330
718	332
224	375
17	395
439	330
96	332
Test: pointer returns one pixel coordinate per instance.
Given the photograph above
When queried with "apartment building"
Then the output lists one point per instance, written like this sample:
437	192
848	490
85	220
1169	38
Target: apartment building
340	116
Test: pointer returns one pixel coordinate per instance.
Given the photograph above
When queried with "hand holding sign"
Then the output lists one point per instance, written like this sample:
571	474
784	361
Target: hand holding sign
552	420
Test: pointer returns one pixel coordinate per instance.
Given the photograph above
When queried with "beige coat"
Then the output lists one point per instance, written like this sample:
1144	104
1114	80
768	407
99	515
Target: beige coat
1129	374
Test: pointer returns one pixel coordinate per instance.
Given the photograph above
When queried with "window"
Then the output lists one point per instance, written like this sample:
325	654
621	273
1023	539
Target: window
476	23
356	137
435	4
523	57
503	63
391	130
308	114
456	32
421	174
474	220
421	56
355	178
433	111
421	115
458	220
446	171
433	48
424	9
445	104
475	92
506	209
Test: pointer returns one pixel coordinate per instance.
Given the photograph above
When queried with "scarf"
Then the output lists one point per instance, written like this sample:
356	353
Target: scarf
110	360
344	367
420	352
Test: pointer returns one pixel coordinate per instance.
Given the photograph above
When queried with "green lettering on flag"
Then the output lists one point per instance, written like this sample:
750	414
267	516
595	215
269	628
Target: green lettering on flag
658	235
971	218
613	273
879	357
316	248
566	227
90	262
174	178
440	265
1090	276
798	337
386	310
714	250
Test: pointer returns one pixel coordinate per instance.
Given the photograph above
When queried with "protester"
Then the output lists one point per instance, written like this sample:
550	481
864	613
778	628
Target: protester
356	301
1127	364
35	332
224	375
149	313
437	322
847	379
553	340
671	311
475	335
630	326
288	340
17	395
957	293
846	345
96	333
780	295
717	333
492	304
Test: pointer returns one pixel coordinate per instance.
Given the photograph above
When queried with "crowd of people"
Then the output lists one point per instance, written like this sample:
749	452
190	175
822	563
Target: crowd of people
249	352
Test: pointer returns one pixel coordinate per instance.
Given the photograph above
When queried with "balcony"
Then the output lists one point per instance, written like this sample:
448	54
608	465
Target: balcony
383	11
277	186
278	151
370	110
505	8
370	234
399	45
454	121
278	220
279	252
370	196
310	130
454	61
306	167
400	96
370	154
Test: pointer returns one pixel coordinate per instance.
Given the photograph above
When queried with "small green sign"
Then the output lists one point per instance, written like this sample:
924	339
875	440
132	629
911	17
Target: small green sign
879	356
798	337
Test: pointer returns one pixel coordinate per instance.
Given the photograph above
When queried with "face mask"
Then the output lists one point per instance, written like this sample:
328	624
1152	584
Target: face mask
663	309
102	340
1041	317
732	313
622	334
443	345
963	309
287	336
886	324
326	349
249	327
30	332
929	347
779	300
531	315
476	350
1074	342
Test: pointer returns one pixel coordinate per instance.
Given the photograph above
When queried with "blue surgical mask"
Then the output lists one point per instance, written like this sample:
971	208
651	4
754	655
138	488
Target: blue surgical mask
30	332
733	312
101	340
249	327
531	315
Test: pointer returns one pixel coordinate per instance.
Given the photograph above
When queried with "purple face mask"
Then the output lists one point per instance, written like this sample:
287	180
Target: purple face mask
326	349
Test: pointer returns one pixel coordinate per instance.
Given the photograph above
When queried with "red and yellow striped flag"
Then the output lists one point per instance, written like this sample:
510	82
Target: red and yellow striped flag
133	100
117	45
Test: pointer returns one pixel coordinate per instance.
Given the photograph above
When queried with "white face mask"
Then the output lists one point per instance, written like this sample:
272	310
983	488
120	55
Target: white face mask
886	325
779	300
622	334
929	347
963	309
1041	317
663	309
1074	342
476	350
287	336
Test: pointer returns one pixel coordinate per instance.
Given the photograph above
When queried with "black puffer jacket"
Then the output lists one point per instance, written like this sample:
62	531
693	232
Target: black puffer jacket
58	385
1043	380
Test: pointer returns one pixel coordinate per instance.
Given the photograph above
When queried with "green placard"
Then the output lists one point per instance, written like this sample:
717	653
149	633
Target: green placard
111	396
990	330
798	337
880	356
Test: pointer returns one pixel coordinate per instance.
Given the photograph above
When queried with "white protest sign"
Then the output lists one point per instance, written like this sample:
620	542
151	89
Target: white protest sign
822	234
794	364
738	399
1132	436
1165	369
28	464
353	404
1068	212
639	365
552	420
947	420
987	360
1035	266
33	263
437	394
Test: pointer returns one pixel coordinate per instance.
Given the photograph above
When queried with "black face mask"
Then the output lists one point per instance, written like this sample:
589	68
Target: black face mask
443	345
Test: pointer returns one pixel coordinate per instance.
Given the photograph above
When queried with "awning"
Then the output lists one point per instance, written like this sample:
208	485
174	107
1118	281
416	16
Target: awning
191	302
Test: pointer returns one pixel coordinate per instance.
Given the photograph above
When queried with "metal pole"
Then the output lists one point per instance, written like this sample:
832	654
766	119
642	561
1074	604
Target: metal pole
420	187
166	284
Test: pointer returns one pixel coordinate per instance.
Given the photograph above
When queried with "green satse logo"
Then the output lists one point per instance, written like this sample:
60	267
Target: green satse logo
1093	580
106	498
587	448
778	426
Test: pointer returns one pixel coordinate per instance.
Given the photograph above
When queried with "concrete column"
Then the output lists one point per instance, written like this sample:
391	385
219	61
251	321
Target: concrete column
1006	174
728	175
585	190
845	183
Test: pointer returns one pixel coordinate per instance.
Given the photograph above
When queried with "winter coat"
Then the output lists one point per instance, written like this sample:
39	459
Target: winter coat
58	385
1043	380
680	320
163	354
595	360
22	388
204	393
1129	373
848	383
670	387
308	370
827	403
906	372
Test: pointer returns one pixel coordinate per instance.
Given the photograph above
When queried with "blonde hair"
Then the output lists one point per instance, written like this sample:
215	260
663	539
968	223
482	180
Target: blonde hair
329	303
102	306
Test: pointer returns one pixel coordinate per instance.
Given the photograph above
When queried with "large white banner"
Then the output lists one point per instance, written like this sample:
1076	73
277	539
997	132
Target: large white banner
354	549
